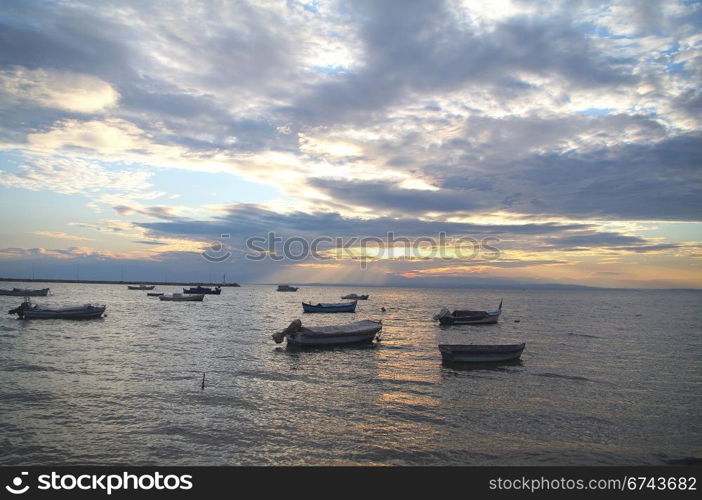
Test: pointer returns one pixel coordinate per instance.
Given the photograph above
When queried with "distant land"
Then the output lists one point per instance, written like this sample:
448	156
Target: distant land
485	286
108	282
467	286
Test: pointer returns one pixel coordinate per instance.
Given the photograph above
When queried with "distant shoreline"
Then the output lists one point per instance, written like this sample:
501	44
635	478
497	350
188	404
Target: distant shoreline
524	287
108	282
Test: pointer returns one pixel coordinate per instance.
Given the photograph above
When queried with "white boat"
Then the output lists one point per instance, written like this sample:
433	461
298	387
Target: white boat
179	297
467	317
27	310
358	332
330	308
473	353
140	287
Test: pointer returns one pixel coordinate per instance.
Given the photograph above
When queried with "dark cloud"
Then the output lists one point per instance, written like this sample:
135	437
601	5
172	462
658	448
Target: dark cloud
160	212
386	196
658	181
601	239
147	242
425	46
244	220
237	51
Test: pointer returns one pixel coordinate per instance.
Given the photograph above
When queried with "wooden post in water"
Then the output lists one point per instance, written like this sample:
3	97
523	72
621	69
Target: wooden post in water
202	388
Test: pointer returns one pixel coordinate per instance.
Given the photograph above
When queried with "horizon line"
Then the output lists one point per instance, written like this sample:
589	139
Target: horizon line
525	286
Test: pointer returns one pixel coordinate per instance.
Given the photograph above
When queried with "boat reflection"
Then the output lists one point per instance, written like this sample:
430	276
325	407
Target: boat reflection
497	366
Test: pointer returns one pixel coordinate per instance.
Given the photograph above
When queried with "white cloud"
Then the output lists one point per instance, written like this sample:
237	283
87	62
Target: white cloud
61	236
71	175
62	90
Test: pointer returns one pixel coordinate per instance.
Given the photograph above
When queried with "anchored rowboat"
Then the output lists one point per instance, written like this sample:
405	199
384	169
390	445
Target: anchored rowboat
179	297
203	290
466	317
353	296
473	353
341	307
140	287
27	310
25	292
359	332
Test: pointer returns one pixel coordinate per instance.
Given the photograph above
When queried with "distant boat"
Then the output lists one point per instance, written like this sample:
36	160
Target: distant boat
203	290
353	296
27	310
286	288
154	294
179	297
341	307
141	287
465	317
25	292
472	353
359	332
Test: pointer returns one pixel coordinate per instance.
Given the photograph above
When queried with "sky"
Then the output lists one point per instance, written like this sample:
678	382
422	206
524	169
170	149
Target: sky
151	140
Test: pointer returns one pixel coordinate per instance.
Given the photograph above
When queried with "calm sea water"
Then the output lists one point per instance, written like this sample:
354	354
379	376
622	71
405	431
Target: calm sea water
607	377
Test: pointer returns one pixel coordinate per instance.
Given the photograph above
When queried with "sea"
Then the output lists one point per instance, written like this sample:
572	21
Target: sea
608	377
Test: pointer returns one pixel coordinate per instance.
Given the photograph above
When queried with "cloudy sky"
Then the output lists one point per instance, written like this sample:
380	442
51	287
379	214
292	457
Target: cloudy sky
135	134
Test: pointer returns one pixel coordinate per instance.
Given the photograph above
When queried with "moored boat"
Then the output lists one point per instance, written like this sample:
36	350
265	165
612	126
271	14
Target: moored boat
358	332
141	287
287	288
27	310
25	292
154	294
179	297
329	308
467	317
353	296
475	353
203	290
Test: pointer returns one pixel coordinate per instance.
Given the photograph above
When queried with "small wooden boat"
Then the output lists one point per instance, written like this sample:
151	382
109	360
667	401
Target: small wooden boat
141	287
287	288
154	294
341	307
179	297
473	353
359	332
353	296
27	310
203	290
25	292
466	317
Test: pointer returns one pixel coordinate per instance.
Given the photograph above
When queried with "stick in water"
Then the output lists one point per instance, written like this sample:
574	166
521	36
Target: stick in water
202	388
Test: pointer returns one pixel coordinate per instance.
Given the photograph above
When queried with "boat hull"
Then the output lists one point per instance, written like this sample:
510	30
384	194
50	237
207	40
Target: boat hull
490	318
141	287
329	308
84	313
480	353
183	298
332	336
206	291
20	292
